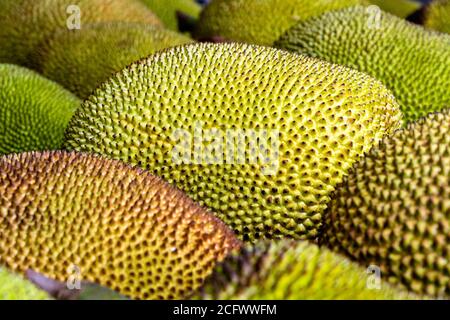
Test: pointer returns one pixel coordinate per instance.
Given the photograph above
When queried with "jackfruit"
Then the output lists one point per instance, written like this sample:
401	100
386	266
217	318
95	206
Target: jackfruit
77	217
259	135
437	15
24	24
394	208
412	62
15	287
289	270
400	8
167	10
34	111
260	22
82	59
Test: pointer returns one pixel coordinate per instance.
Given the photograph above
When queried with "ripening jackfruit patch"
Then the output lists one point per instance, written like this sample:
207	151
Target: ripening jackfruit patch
394	208
25	24
166	10
289	270
259	135
437	16
34	111
15	287
74	216
260	22
412	62
82	59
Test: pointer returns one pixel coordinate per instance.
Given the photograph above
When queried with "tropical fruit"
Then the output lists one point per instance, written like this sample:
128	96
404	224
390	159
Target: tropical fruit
394	208
260	22
400	8
412	62
259	135
167	10
289	270
24	24
75	217
34	111
437	15
15	287
82	59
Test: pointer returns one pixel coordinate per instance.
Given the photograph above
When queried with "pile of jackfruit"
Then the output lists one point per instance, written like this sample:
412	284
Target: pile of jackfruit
234	149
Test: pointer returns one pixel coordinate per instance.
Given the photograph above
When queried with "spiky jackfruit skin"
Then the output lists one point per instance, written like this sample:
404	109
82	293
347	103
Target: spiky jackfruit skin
437	16
24	24
290	270
260	22
167	10
400	8
82	59
313	120
34	111
74	216
412	62
15	287
394	208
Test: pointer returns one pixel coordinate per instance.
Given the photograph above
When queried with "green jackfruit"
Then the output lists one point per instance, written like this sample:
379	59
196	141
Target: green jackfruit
260	22
78	217
394	208
34	111
15	287
82	59
289	270
24	24
400	8
259	135
167	10
437	15
412	62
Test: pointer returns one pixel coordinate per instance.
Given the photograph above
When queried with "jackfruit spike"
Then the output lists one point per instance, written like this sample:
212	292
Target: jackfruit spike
15	287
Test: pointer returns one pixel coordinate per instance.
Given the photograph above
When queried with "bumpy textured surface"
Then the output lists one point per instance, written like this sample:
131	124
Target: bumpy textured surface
167	9
437	15
71	215
411	61
293	271
401	8
34	111
82	59
394	208
211	103
260	22
24	24
15	287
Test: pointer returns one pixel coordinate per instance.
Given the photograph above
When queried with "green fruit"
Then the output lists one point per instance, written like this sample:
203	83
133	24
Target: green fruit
412	62
394	208
401	8
78	217
259	135
34	111
82	59
166	10
14	287
437	15
24	24
260	22
289	270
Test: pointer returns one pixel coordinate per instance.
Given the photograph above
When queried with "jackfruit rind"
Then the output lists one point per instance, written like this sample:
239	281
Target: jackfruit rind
15	287
74	217
290	270
260	22
312	121
394	208
166	10
437	15
34	111
400	8
24	24
412	62
82	59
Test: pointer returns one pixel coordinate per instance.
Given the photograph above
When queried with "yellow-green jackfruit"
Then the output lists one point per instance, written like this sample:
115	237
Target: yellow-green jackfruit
260	22
401	8
24	24
82	59
166	10
394	208
289	270
437	15
78	217
15	287
412	62
34	111
259	135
